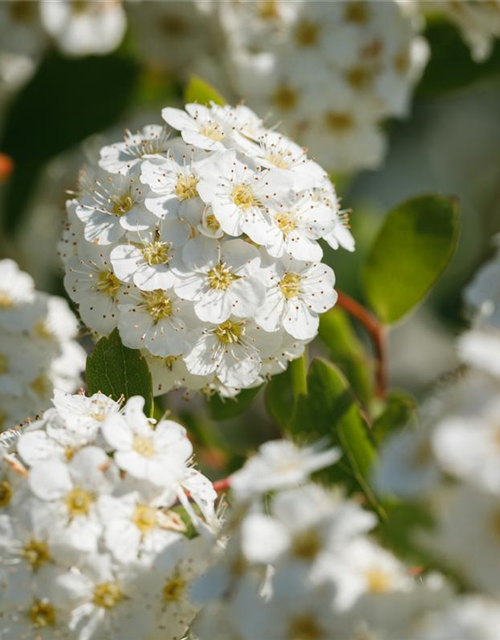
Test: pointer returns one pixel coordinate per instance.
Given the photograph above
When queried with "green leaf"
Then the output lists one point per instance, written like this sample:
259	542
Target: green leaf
347	351
119	372
80	96
227	408
451	66
411	250
330	410
200	91
397	412
279	398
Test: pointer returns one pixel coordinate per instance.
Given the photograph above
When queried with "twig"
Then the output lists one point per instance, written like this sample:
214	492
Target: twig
378	337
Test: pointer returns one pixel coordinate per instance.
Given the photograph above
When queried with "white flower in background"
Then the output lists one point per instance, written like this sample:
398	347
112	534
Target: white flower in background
202	248
38	351
280	464
331	72
483	294
87	551
173	35
478	22
468	618
88	28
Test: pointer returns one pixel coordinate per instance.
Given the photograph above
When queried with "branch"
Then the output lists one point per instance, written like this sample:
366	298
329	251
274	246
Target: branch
377	335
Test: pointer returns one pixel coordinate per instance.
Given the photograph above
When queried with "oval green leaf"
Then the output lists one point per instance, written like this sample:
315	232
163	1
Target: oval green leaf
413	247
200	91
119	372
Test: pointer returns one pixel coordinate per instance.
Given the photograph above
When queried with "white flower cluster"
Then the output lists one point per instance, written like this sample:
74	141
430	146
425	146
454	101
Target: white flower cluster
304	564
478	22
451	463
330	71
78	28
203	248
38	351
92	539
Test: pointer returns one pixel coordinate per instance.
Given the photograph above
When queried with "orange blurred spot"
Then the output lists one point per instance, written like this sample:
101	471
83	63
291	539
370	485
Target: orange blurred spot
6	166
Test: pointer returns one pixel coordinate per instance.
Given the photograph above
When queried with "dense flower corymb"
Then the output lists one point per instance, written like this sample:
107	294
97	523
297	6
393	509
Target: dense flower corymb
93	540
202	247
38	351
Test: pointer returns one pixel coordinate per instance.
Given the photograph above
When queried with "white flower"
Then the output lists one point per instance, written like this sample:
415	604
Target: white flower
93	28
222	279
71	491
297	292
148	259
127	156
232	351
135	529
16	289
204	127
154	320
92	284
103	599
241	194
158	455
298	223
110	205
483	294
279	464
171	373
174	182
305	524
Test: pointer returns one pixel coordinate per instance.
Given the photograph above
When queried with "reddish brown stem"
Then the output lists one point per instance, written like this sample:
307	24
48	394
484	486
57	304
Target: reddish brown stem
222	485
6	166
377	335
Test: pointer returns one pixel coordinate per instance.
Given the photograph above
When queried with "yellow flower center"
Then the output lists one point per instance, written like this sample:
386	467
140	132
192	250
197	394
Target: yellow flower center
230	332
290	285
6	493
107	595
121	204
306	33
378	581
268	9
6	301
174	589
78	502
42	330
306	545
36	553
145	518
158	304
144	446
213	131
304	627
220	277
156	252
285	222
285	97
186	187
356	12
243	197
339	121
108	283
359	77
4	364
42	386
212	222
42	615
